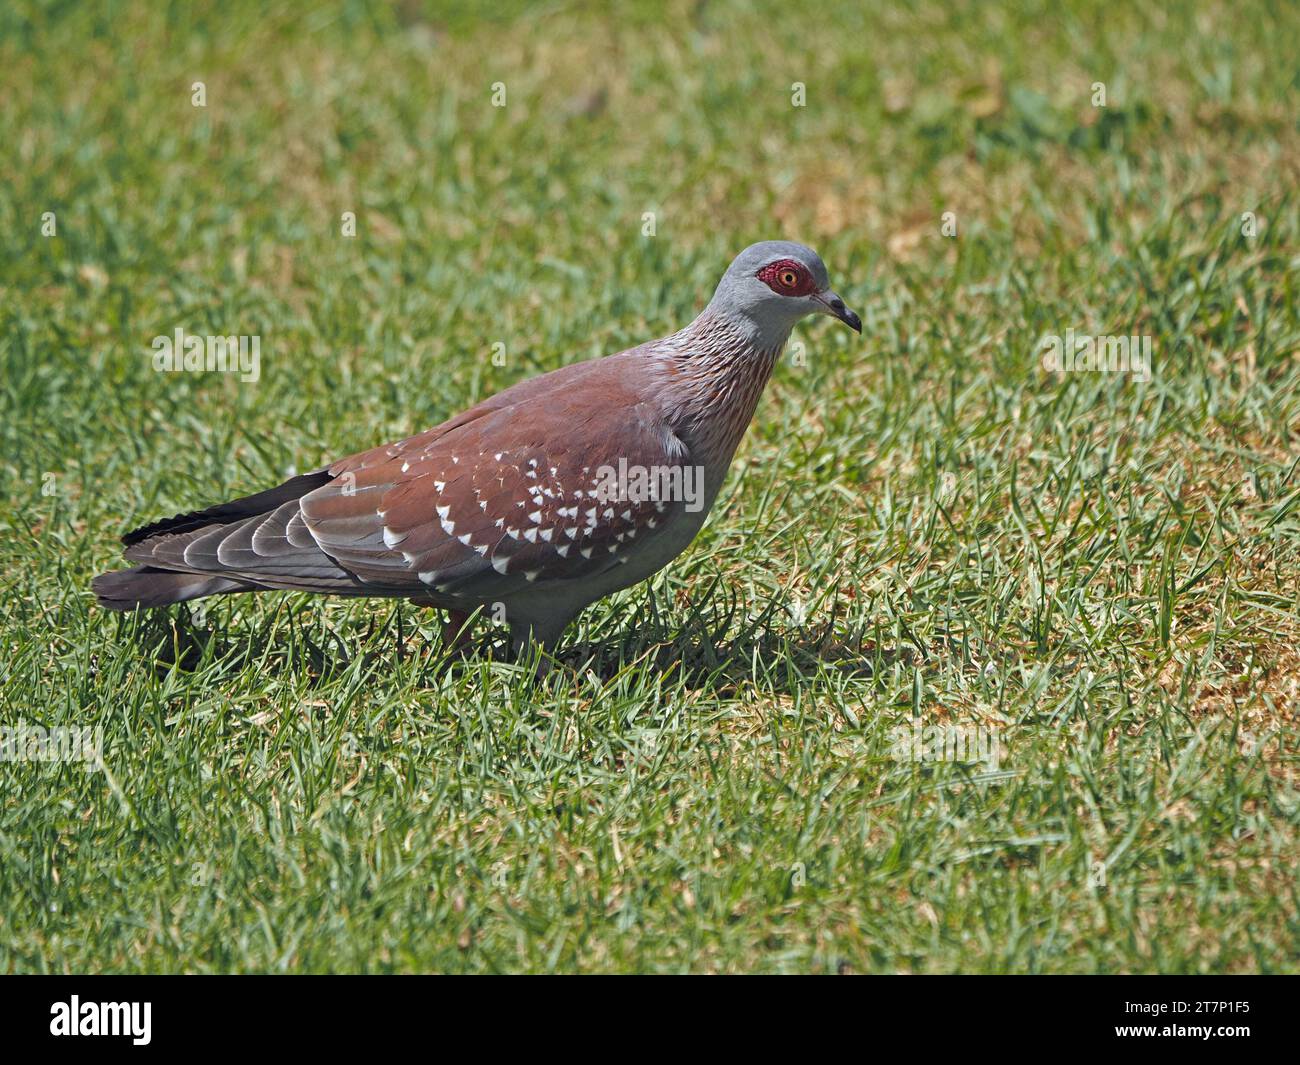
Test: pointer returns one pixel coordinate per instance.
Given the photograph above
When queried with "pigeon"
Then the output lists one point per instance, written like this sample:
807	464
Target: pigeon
528	507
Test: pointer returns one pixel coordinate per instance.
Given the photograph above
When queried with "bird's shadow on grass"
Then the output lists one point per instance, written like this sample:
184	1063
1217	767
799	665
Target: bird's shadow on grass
713	648
289	645
710	647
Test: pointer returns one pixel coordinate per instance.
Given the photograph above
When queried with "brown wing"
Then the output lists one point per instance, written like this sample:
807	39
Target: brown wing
504	501
507	495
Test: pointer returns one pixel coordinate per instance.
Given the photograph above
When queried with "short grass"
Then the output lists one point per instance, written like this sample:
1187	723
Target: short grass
923	529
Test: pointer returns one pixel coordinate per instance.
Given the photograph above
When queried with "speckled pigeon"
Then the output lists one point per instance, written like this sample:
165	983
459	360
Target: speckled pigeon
532	504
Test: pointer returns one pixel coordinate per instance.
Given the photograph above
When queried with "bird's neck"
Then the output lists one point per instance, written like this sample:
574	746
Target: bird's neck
716	370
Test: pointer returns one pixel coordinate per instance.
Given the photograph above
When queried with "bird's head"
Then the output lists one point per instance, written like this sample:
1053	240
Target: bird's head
774	283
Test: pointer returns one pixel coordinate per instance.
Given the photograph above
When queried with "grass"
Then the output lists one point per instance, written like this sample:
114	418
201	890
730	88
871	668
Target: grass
923	525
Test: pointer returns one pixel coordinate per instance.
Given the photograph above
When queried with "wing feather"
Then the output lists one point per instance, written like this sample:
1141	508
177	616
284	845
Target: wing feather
501	498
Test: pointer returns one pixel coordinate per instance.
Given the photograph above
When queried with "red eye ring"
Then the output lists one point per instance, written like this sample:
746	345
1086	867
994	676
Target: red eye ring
786	277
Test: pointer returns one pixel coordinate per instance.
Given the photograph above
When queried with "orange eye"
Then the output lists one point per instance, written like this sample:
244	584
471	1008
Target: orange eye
786	278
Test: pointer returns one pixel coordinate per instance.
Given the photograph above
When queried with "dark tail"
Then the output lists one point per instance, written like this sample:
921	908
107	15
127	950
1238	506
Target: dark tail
156	583
147	586
236	509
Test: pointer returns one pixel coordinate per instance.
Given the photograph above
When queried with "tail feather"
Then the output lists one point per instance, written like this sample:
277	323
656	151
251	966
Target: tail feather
213	551
236	509
147	586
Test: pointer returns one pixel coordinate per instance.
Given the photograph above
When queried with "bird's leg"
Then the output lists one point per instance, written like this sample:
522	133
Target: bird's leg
455	630
455	633
524	636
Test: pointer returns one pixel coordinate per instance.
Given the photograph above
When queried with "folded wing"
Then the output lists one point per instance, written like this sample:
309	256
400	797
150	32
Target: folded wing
509	495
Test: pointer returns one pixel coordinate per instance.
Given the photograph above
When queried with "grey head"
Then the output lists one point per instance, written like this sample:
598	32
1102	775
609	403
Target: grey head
774	283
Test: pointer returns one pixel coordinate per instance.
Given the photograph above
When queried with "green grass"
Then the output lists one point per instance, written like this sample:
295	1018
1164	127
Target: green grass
922	524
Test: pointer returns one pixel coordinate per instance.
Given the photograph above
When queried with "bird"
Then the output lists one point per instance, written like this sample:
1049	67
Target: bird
530	506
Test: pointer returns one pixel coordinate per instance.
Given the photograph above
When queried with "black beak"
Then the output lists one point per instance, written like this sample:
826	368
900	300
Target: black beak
835	307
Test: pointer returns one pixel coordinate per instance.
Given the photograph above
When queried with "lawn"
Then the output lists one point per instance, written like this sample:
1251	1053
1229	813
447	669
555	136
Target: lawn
977	666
